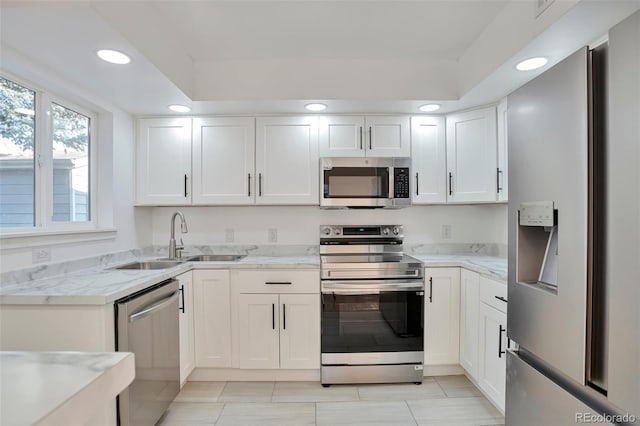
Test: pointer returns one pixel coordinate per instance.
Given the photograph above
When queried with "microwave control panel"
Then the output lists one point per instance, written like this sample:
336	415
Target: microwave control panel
401	182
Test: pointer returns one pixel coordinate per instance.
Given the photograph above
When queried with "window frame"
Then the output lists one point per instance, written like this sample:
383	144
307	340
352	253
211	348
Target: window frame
43	170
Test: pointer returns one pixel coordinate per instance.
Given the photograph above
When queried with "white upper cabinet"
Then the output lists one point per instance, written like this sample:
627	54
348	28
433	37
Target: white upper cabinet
342	136
355	136
163	161
503	158
287	160
223	160
429	160
471	156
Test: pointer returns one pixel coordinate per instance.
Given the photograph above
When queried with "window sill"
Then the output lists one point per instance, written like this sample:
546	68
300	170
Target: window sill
33	238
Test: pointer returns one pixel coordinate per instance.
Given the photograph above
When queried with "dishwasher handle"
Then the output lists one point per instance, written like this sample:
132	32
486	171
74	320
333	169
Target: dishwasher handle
156	306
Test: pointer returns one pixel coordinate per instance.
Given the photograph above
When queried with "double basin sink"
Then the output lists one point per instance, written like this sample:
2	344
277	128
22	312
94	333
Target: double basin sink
169	263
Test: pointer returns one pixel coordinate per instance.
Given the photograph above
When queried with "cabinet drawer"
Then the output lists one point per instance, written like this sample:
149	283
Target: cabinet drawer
491	290
276	281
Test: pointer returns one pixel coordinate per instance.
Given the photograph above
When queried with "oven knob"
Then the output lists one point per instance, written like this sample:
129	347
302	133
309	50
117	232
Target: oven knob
326	231
337	231
396	231
385	231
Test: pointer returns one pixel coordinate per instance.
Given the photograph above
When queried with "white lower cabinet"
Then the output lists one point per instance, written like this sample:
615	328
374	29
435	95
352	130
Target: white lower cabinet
469	305
187	338
493	338
279	331
441	316
212	317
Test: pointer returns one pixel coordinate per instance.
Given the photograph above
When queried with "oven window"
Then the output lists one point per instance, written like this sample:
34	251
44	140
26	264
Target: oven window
356	182
386	322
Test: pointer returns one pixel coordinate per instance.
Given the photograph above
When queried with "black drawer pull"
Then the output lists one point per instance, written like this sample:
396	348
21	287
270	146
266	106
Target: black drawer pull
501	298
278	283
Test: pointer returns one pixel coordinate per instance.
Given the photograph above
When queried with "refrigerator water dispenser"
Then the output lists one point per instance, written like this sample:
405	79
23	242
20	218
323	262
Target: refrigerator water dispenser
537	245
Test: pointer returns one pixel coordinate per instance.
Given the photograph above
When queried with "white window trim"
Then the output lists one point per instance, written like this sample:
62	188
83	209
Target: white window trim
45	230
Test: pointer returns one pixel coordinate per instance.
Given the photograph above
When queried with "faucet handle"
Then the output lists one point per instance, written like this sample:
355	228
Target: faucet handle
179	249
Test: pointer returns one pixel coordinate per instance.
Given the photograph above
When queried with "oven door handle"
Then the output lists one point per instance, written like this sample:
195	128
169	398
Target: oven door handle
369	287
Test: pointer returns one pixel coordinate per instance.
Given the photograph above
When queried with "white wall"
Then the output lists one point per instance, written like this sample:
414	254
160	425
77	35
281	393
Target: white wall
300	224
115	180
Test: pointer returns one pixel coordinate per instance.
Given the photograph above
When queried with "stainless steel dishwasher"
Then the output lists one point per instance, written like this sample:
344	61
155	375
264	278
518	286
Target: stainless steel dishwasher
147	325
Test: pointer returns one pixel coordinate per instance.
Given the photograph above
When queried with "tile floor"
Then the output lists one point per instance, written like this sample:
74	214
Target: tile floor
446	400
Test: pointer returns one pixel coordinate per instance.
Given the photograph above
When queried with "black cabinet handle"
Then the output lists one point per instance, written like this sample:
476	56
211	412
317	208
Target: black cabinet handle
249	184
430	289
501	298
284	316
278	283
500	351
450	184
417	191
498	187
370	132
273	316
181	308
260	184
361	132
185	185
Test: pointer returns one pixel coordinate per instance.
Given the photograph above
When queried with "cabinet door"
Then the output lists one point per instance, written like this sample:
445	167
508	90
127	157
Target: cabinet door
287	160
212	318
300	331
493	341
471	156
259	328
502	181
187	346
388	136
163	161
341	136
223	160
429	160
442	316
469	320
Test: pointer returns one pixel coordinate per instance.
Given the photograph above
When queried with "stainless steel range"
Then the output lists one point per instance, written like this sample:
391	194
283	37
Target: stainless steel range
372	306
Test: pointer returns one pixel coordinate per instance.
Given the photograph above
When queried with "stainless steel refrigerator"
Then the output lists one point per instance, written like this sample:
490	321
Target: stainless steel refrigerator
574	238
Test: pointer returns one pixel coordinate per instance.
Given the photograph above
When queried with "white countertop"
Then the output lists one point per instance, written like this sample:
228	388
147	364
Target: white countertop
60	388
100	285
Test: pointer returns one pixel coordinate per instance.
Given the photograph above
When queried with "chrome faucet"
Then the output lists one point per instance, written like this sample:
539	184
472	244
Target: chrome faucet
175	252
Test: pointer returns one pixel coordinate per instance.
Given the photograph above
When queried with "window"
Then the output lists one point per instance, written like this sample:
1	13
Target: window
45	161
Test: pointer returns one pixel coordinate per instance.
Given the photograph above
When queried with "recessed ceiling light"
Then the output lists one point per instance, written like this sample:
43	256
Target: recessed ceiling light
179	108
429	107
315	107
113	56
532	64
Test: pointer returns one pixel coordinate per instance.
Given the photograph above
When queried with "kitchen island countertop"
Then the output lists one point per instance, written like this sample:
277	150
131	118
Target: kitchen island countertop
56	388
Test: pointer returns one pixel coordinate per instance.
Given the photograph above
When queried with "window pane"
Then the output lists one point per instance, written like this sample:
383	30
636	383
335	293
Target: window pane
17	163
70	165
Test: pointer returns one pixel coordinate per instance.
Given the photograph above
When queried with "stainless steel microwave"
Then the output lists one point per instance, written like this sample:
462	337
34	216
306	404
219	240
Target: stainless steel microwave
365	182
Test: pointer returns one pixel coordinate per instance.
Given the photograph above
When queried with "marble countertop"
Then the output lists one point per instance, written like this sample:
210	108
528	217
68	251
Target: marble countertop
103	285
100	285
490	266
56	388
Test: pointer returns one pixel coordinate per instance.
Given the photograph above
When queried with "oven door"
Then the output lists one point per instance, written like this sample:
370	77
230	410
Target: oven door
372	322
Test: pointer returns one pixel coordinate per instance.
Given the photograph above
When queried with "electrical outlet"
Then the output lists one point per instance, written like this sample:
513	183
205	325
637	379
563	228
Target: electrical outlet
42	254
272	235
446	232
229	236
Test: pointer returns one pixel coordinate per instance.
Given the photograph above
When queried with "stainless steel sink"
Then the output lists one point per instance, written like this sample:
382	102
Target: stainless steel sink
151	264
215	257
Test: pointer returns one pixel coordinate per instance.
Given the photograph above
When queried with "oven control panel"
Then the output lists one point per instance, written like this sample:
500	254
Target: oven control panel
360	232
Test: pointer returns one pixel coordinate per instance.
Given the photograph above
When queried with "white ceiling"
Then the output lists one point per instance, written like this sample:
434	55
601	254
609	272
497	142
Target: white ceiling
244	57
